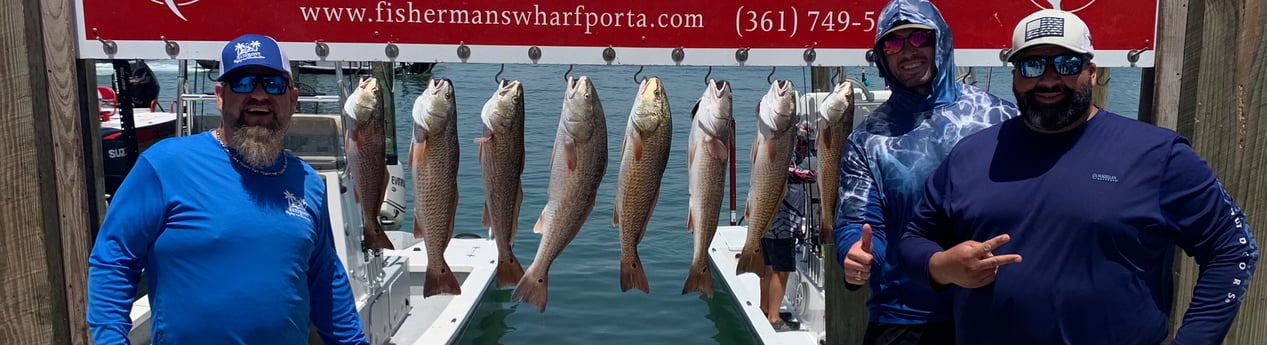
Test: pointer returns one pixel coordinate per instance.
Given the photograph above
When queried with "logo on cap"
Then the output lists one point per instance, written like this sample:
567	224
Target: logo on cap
175	6
1044	27
247	51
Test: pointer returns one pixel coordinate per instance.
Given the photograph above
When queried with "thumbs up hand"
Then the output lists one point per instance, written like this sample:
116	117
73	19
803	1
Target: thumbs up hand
858	261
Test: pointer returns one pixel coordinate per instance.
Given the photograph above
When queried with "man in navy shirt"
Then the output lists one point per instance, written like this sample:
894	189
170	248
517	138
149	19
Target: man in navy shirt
1093	202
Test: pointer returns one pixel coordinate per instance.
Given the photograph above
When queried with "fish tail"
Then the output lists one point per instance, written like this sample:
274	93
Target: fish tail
374	236
509	270
700	279
440	280
532	288
749	262
632	276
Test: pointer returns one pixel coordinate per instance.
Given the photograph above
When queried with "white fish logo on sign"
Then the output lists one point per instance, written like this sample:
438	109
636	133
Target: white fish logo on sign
175	6
1056	5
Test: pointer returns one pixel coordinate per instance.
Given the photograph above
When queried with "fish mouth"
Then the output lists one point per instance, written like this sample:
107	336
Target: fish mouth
507	87
439	85
719	86
783	87
649	87
577	86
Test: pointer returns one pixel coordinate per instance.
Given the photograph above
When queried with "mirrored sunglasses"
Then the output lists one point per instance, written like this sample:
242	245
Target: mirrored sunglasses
918	39
1068	64
272	84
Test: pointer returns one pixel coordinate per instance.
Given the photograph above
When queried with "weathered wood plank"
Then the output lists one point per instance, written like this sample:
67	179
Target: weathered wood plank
1220	108
1172	25
27	311
62	93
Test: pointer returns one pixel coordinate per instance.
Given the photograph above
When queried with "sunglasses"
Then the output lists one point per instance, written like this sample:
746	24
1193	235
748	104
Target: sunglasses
273	84
918	39
1068	64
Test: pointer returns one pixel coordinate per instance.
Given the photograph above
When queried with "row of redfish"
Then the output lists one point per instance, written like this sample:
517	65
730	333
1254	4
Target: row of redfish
577	166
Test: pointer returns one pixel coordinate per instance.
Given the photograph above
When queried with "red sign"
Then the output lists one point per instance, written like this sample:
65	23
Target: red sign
689	24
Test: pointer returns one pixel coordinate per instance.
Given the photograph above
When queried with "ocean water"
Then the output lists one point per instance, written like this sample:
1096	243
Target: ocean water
585	303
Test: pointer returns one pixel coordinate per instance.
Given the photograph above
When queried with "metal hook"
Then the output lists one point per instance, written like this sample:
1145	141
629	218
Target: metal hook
568	75
431	67
498	78
835	74
636	81
767	78
710	73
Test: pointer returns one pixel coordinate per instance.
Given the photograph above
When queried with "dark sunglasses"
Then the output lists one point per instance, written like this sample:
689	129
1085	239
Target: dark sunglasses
245	83
1068	64
918	39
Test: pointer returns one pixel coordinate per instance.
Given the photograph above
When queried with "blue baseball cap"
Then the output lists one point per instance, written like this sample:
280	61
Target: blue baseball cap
252	50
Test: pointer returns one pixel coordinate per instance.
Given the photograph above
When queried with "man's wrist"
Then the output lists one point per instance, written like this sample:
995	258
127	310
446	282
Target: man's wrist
935	264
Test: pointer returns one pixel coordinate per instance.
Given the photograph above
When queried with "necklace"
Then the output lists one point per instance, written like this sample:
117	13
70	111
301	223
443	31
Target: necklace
216	133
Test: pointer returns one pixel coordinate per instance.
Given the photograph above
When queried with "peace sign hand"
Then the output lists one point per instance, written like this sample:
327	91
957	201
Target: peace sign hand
970	264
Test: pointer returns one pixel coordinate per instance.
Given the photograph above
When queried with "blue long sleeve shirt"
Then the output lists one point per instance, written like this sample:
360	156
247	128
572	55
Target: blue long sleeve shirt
1095	213
232	257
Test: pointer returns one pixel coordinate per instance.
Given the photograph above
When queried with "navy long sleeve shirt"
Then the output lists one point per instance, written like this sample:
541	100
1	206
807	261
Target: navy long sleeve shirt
1095	213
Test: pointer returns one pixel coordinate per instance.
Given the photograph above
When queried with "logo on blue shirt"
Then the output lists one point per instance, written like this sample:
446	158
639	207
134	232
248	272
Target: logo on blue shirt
298	207
1104	177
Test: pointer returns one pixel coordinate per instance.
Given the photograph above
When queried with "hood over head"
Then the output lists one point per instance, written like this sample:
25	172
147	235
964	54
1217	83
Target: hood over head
901	14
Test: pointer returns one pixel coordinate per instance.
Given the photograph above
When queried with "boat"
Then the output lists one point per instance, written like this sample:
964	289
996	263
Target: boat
388	284
803	303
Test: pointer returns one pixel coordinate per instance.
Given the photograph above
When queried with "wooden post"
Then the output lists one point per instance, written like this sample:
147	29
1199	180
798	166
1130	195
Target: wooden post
846	310
44	213
1213	94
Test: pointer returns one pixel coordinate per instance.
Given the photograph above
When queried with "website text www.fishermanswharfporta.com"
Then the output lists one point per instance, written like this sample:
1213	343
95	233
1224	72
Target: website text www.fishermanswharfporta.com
406	12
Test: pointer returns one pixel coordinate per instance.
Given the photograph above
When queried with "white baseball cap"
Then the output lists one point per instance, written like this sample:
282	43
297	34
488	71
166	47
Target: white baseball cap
1053	27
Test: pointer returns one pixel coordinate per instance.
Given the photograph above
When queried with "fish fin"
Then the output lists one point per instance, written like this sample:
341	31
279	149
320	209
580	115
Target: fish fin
824	135
655	200
569	154
417	228
417	153
636	139
700	279
632	276
533	288
541	223
616	213
717	149
690	219
771	150
484	221
690	154
488	136
514	221
440	280
509	270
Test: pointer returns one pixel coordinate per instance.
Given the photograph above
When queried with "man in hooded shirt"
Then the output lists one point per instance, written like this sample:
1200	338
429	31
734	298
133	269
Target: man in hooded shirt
889	157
